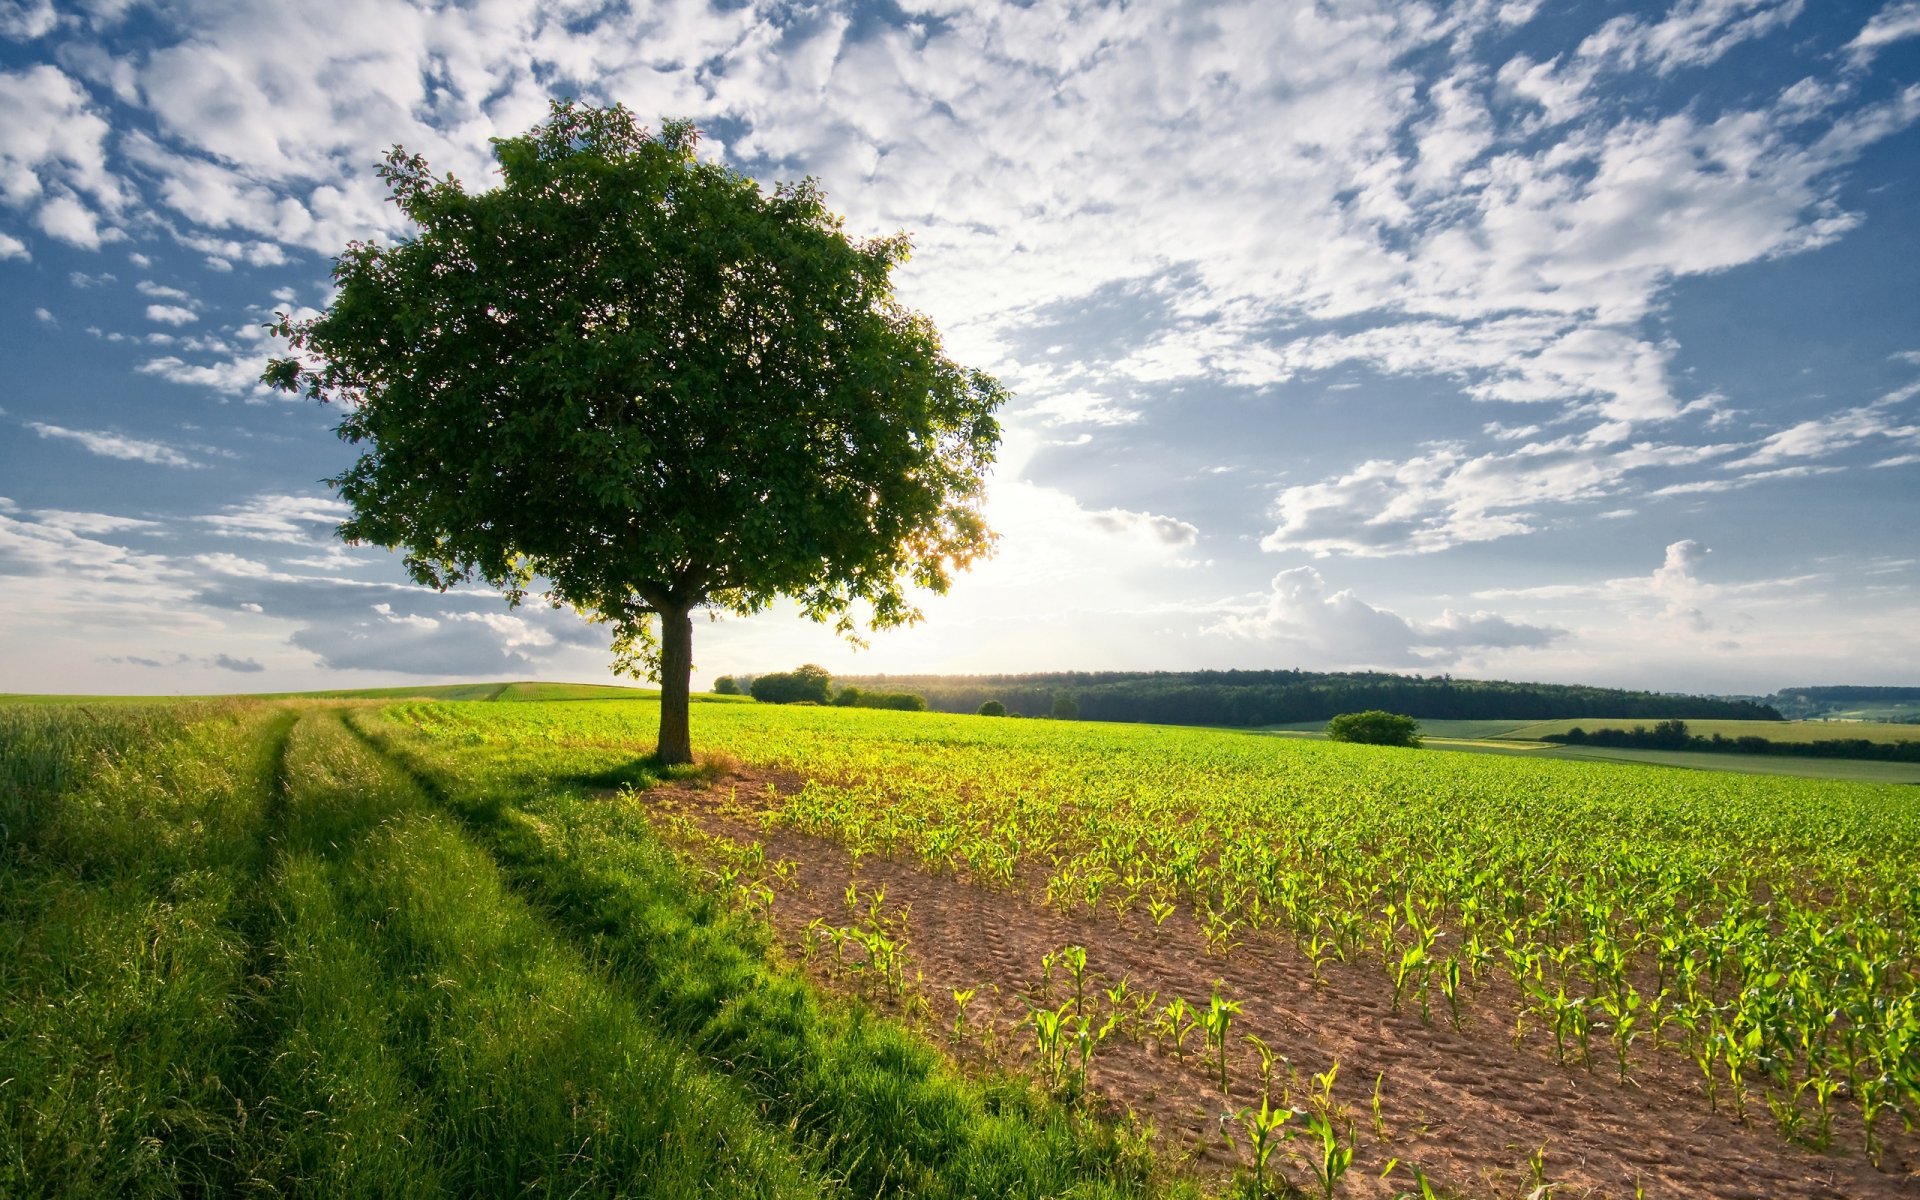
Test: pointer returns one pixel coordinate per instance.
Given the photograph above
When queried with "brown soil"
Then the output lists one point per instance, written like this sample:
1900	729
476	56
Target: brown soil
1466	1106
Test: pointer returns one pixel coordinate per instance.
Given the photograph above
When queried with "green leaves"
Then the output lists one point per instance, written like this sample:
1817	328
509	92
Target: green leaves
637	378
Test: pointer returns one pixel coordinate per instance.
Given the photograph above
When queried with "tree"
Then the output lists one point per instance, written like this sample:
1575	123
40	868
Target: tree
1065	708
632	380
802	685
993	708
1374	728
726	685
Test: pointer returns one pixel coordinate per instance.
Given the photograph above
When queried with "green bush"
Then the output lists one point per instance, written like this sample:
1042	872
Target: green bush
1374	728
993	708
809	684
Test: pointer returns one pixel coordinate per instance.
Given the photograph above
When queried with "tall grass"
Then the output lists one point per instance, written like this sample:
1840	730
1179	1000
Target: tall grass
135	835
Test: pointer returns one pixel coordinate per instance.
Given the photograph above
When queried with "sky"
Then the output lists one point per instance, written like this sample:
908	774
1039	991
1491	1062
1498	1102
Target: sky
1575	342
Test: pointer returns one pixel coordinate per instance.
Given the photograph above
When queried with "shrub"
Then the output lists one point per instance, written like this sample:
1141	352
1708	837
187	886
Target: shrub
809	684
1374	728
993	708
726	685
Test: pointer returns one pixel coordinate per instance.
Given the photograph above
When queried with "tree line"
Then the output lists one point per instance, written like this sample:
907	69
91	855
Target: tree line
1674	735
812	684
1255	698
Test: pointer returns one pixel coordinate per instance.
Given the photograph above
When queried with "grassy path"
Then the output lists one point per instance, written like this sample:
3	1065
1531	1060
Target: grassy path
877	1107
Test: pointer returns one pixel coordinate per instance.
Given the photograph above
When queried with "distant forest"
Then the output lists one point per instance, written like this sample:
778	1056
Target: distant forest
1674	735
1882	703
1252	698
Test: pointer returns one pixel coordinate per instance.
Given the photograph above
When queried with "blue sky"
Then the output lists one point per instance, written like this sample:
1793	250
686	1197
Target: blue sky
1548	341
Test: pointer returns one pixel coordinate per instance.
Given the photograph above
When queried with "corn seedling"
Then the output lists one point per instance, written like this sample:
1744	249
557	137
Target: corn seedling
1537	1170
1266	1059
1075	958
961	998
1266	1129
1217	1020
1174	1023
1336	1154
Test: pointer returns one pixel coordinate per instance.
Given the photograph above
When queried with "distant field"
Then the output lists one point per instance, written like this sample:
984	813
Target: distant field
1774	731
1854	769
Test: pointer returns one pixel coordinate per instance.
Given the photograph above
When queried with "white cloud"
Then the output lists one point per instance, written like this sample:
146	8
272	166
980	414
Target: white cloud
91	524
1694	33
237	376
1676	583
13	247
1339	629
1826	435
1896	22
514	632
1446	497
171	314
147	287
1170	531
65	217
113	445
275	517
25	20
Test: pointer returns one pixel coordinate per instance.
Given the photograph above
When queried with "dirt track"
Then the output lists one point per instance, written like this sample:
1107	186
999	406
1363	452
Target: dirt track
1466	1106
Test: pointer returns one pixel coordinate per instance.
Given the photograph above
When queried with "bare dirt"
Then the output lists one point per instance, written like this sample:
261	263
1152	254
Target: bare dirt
1467	1106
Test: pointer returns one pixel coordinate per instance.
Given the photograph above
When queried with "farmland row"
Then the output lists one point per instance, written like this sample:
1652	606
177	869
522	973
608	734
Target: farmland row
1765	929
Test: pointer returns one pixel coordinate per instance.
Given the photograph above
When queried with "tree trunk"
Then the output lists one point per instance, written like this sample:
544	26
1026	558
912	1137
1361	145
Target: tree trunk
676	671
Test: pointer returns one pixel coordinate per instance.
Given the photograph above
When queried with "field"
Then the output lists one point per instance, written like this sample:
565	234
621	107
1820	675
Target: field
1515	737
440	947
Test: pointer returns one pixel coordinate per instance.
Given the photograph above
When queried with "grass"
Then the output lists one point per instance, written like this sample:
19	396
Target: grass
128	876
435	1036
244	948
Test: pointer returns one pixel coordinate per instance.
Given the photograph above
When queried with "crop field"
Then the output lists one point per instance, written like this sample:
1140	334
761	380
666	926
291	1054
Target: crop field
475	948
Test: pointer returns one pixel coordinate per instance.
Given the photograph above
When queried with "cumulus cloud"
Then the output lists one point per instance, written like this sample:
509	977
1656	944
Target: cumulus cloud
1170	531
13	247
53	158
1677	583
395	636
245	666
171	314
1339	629
114	445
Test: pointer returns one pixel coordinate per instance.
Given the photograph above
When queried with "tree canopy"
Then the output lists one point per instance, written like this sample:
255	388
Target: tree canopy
1374	728
633	380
